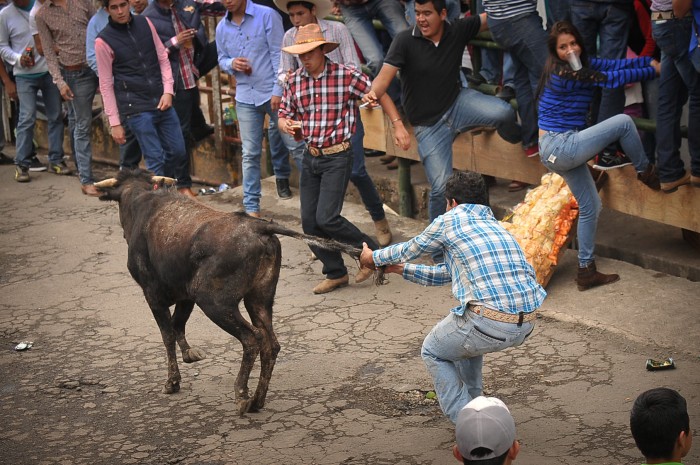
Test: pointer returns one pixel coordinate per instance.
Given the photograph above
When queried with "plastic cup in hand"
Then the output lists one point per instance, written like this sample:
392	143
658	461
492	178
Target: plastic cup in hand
574	60
298	134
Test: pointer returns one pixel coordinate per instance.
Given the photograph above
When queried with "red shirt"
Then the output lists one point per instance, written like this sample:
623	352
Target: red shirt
327	105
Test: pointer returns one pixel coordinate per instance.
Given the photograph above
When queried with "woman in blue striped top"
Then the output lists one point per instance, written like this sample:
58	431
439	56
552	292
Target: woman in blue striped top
566	144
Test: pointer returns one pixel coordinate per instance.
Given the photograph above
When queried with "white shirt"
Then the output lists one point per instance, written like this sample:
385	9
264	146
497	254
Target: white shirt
15	37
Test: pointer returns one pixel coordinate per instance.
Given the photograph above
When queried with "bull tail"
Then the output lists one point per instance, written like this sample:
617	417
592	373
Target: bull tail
328	244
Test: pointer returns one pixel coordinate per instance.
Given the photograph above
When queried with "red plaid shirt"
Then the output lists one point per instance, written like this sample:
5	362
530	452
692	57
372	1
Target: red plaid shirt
326	106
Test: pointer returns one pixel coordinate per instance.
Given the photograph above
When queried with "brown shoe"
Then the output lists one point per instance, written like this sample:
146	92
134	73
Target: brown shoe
383	232
363	275
669	187
328	285
187	192
386	159
90	189
650	178
695	181
588	277
253	214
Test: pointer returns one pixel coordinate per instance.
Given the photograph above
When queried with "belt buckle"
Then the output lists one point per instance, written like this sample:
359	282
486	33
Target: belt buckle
315	152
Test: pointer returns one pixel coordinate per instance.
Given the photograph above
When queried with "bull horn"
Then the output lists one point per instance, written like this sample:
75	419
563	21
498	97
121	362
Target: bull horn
166	180
111	182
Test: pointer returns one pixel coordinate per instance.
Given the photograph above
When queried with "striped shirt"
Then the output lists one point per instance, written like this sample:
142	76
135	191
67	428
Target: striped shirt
566	98
64	28
327	105
503	9
483	261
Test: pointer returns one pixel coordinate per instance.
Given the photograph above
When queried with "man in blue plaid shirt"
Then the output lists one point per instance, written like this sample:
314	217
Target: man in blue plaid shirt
496	288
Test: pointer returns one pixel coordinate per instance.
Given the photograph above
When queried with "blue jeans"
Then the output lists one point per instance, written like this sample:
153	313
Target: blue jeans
566	154
679	81
160	139
322	187
609	22
557	10
358	19
251	120
453	10
359	176
471	109
83	84
361	179
27	89
454	352
129	151
526	41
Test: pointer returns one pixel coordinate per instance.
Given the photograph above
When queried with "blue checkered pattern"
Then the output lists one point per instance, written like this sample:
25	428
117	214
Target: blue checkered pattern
483	261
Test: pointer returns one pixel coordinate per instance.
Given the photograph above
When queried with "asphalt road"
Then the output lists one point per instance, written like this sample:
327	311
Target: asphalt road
349	384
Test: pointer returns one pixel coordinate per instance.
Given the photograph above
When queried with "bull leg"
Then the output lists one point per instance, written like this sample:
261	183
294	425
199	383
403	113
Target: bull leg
261	316
237	326
183	310
162	317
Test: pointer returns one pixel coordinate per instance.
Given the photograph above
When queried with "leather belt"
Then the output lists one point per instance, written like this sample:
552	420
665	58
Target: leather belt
518	318
75	67
664	15
332	150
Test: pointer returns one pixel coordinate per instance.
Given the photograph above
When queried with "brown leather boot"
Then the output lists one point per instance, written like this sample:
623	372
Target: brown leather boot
383	232
589	277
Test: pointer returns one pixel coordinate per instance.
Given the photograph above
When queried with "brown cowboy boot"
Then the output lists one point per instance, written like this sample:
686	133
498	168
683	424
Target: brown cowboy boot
589	277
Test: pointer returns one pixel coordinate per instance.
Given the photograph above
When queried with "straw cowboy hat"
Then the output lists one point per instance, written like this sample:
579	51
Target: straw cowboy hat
308	38
323	7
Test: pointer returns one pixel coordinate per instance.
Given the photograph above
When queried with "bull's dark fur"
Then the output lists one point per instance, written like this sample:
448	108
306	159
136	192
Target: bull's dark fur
182	252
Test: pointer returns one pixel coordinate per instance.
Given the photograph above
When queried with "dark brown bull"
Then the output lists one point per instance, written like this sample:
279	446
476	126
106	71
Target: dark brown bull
182	252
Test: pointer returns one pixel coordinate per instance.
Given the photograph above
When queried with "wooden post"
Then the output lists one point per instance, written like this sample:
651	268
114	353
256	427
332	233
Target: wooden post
405	188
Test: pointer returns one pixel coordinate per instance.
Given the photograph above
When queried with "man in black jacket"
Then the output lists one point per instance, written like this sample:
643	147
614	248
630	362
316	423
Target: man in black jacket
136	83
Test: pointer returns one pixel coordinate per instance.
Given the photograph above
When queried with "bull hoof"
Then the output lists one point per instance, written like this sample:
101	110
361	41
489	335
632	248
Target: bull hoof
192	355
244	406
171	388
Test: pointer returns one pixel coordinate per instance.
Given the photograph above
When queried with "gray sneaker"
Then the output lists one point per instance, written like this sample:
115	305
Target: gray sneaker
36	165
21	173
59	168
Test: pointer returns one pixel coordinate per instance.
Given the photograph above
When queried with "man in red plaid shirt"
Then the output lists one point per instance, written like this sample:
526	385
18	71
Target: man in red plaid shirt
322	97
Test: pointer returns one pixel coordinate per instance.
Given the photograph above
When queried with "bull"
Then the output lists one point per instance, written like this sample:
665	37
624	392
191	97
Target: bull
183	253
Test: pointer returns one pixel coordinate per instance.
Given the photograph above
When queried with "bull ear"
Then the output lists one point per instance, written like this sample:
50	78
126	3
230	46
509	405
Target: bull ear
164	179
111	182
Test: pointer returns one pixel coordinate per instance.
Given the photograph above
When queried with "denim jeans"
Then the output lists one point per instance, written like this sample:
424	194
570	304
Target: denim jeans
130	152
27	89
359	176
358	19
607	23
566	154
679	81
454	352
251	120
83	84
453	10
557	10
160	139
322	187
526	40
185	102
361	179
471	109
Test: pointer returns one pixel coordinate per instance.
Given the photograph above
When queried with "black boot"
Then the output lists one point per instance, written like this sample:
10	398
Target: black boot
283	190
589	277
650	178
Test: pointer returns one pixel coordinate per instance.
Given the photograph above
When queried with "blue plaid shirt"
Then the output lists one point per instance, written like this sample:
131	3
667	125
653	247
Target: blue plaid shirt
483	261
